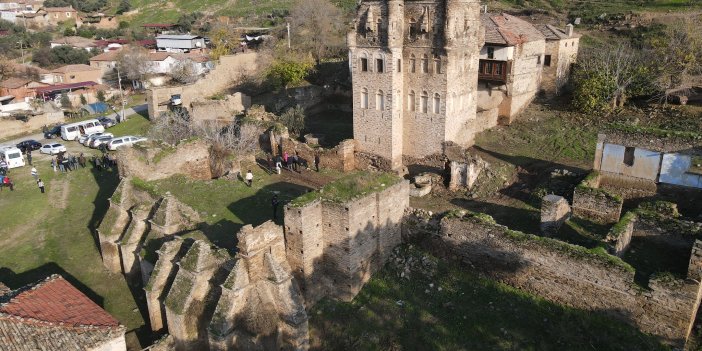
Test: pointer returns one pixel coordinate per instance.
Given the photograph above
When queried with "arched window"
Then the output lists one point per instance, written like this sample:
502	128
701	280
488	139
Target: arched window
411	101
413	63
425	64
379	64
380	101
437	103
424	102
379	25
364	98
364	62
437	64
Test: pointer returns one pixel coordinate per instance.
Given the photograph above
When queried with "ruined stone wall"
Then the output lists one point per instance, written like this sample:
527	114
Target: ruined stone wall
229	70
333	248
571	275
340	158
222	111
591	202
191	159
554	212
10	126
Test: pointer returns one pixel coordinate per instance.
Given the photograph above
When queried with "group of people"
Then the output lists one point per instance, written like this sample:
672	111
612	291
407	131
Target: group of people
66	163
290	162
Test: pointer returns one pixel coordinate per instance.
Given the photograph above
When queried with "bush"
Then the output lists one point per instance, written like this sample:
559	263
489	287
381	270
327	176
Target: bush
285	73
293	119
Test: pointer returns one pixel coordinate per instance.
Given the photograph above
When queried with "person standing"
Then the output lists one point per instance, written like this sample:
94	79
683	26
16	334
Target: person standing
35	174
270	164
29	157
249	178
81	160
274	203
316	162
285	160
278	166
40	184
53	163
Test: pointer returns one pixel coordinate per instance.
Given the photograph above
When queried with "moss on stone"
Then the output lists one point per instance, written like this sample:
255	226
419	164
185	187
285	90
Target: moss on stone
145	186
620	227
108	221
349	187
179	294
191	258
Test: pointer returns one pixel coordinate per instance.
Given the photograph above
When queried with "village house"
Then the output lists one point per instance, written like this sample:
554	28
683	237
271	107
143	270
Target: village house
53	315
19	88
73	91
106	62
76	74
561	53
179	43
48	16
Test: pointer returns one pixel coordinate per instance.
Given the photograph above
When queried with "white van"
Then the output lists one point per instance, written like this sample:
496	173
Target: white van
74	131
12	156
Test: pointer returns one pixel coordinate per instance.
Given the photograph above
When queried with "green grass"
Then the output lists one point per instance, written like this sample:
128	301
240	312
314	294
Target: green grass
349	187
137	124
39	238
449	308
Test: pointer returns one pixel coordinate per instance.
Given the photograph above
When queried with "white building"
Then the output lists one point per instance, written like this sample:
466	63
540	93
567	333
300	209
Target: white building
179	43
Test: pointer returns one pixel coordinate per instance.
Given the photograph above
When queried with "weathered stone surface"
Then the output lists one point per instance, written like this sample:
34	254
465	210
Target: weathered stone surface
464	174
555	210
570	275
191	159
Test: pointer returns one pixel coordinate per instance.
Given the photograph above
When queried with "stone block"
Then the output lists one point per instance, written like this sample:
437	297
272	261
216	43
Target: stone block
555	210
420	191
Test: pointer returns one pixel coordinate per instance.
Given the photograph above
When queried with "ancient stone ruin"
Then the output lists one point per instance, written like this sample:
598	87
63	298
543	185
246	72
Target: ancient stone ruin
555	210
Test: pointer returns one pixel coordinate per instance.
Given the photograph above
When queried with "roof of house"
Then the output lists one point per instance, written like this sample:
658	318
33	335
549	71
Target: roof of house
53	315
178	37
14	83
75	41
62	87
106	56
508	30
553	32
159	56
75	68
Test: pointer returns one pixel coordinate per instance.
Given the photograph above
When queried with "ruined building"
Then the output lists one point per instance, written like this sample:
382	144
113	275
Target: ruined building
429	73
414	68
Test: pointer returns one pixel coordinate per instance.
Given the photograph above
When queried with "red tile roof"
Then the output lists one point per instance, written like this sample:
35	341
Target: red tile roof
60	87
509	30
55	300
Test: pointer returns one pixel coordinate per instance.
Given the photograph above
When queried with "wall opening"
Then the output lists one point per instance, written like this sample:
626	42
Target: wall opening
629	156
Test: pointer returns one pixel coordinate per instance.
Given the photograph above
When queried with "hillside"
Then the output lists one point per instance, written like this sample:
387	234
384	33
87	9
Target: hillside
257	12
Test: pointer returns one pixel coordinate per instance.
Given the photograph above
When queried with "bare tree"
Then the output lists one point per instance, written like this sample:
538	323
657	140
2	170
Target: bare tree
184	72
172	127
317	27
134	63
6	68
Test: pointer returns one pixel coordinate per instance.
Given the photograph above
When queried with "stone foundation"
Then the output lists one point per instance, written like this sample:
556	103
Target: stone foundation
596	204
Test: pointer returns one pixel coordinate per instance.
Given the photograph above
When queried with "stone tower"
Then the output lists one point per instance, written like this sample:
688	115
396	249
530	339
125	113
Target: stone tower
414	66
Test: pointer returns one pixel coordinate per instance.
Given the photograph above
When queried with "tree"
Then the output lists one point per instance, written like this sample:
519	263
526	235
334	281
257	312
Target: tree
184	72
133	63
185	21
6	68
83	100
65	101
172	127
293	119
224	41
607	77
317	27
678	54
100	95
124	6
66	55
284	73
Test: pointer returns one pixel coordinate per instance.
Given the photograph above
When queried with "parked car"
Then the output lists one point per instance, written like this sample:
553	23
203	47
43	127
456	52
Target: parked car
52	149
99	141
128	140
88	142
53	132
176	100
31	145
107	122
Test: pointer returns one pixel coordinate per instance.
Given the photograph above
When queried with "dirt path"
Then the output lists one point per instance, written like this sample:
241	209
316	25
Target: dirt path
58	193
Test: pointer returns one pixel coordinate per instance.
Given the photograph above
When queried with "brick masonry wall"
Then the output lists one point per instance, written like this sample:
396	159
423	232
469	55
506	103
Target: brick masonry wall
334	248
580	280
596	205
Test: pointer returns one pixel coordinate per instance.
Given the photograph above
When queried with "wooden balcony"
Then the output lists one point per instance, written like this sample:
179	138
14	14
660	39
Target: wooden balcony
494	70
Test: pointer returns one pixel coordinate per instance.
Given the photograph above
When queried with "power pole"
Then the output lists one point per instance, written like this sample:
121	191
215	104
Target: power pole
21	50
288	26
121	95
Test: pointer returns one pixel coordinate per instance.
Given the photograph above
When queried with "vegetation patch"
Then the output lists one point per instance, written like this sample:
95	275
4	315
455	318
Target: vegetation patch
179	294
349	187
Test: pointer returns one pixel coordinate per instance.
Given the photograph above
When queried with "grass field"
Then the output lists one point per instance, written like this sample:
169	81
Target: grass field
41	234
448	308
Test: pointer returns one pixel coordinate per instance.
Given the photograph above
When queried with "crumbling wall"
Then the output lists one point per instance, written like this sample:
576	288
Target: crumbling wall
130	243
619	237
196	286
596	204
191	159
223	111
554	212
571	275
464	174
261	306
161	279
340	158
334	247
229	70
